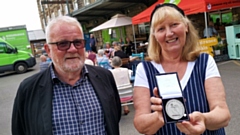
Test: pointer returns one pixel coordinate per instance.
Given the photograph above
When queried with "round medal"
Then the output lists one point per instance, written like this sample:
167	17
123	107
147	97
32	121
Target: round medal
175	109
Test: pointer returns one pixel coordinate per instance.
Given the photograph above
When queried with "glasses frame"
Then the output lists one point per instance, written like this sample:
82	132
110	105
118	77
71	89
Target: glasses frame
69	44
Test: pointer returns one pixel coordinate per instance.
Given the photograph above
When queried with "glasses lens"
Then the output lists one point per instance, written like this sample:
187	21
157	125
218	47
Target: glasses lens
63	45
79	43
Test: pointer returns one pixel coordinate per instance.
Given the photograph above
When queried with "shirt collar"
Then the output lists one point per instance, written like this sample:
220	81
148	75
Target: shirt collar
55	78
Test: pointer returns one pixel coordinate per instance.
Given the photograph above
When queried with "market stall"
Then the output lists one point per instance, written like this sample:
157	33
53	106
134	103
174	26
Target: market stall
189	7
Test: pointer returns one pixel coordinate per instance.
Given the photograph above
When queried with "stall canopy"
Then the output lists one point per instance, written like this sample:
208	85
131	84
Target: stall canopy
189	7
116	21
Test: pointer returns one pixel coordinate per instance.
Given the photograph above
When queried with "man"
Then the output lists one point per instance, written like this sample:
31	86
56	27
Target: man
68	98
128	47
93	43
44	63
211	30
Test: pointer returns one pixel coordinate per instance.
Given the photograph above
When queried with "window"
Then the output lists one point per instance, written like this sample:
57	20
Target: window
86	2
66	10
75	5
2	48
40	5
113	33
48	19
53	15
43	22
9	48
224	16
59	12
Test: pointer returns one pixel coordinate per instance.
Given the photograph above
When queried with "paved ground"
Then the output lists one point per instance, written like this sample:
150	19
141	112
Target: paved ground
229	70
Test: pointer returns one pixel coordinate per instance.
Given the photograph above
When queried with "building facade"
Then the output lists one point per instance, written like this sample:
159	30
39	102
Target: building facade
91	13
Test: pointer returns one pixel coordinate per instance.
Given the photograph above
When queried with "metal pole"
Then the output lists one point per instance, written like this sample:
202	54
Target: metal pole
134	39
44	16
68	8
206	25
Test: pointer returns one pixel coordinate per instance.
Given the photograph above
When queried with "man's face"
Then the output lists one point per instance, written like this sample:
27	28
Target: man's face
71	60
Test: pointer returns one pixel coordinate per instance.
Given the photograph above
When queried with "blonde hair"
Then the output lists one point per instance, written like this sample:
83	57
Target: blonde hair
191	49
117	48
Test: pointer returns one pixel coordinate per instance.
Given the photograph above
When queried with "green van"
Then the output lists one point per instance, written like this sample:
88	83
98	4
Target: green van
12	59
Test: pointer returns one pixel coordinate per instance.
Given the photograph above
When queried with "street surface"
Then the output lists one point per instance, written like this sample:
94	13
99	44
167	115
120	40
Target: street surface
230	72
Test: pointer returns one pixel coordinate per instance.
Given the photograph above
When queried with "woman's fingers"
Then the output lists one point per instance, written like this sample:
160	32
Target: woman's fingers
155	92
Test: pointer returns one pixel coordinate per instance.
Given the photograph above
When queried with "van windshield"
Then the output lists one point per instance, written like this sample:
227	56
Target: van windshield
4	48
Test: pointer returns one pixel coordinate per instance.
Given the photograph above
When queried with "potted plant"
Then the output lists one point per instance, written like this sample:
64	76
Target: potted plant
218	49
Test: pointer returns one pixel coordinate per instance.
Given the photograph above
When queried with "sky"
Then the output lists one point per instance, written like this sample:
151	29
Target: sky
20	12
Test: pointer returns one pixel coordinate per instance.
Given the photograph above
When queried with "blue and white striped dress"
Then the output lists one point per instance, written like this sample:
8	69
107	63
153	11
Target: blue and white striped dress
194	93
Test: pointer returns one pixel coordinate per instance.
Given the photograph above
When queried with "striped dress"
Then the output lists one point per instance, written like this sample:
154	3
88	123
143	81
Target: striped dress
194	93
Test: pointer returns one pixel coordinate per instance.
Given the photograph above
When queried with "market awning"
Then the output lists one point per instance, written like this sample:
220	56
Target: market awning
116	21
189	7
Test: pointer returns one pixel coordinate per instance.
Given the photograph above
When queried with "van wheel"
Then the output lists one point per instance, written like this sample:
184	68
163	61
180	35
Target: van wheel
21	68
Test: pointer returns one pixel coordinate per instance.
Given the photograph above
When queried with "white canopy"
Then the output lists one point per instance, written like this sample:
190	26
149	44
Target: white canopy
116	21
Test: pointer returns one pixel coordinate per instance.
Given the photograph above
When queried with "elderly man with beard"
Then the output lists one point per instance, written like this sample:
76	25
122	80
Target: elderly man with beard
69	97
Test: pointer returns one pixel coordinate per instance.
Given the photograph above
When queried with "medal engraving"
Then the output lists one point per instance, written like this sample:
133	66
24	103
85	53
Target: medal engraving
175	109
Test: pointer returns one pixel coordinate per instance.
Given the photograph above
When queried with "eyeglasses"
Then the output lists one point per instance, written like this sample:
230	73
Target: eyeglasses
65	45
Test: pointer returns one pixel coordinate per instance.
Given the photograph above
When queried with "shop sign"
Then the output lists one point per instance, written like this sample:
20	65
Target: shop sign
207	43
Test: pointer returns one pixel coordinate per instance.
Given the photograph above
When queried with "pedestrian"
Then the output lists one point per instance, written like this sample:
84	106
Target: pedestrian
210	29
68	98
173	47
93	43
44	63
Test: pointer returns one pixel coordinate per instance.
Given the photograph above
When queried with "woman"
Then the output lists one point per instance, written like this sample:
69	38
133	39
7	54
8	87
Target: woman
173	47
118	52
102	60
122	78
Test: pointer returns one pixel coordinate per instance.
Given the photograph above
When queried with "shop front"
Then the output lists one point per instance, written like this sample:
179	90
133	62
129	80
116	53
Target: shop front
222	13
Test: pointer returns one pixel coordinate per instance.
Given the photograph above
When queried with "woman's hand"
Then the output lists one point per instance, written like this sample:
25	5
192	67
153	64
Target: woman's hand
195	126
148	111
156	106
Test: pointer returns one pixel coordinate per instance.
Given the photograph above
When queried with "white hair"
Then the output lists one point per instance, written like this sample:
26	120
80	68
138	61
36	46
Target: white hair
59	20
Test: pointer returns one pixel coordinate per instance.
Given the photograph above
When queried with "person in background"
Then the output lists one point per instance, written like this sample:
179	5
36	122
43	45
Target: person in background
174	47
114	43
211	30
44	64
101	58
108	50
92	56
128	47
121	77
217	24
87	60
121	42
125	58
93	43
69	97
118	52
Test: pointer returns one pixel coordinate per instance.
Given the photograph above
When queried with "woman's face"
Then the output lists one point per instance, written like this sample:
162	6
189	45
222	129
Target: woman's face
171	35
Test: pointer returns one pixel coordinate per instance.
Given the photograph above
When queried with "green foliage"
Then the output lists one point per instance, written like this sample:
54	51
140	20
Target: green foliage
218	47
